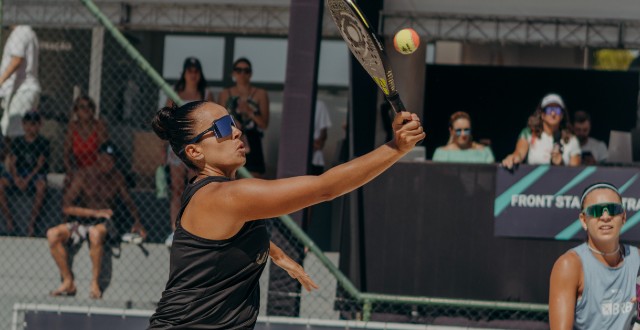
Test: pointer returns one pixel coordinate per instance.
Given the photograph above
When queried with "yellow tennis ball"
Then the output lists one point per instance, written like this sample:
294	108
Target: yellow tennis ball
406	41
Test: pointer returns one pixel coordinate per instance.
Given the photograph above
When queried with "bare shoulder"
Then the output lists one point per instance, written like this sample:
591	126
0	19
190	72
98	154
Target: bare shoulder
261	92
568	266
478	146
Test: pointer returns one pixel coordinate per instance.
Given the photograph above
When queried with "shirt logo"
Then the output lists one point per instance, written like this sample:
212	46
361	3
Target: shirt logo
262	257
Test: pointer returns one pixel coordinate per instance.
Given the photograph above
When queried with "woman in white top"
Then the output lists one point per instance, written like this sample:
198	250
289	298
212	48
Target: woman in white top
548	138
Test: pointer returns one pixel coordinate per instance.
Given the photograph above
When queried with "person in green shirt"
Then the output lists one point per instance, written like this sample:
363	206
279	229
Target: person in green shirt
461	148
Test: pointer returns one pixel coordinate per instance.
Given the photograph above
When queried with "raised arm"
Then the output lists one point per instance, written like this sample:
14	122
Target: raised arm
565	285
250	199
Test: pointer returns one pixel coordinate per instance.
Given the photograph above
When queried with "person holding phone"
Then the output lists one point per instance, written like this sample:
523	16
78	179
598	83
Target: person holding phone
594	151
593	286
551	142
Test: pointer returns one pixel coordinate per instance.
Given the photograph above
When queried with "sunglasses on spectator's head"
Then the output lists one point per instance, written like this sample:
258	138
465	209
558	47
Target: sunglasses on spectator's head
242	70
596	210
460	131
221	128
553	110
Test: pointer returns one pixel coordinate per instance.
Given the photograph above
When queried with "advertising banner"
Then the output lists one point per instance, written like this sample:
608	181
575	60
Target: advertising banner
544	201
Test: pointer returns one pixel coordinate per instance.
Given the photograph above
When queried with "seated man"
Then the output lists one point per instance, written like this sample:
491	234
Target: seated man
27	169
594	151
90	200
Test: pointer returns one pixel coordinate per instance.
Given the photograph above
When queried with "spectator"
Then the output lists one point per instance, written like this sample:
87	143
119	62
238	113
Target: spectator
594	151
249	106
548	139
84	135
18	79
191	87
461	148
321	124
27	169
90	200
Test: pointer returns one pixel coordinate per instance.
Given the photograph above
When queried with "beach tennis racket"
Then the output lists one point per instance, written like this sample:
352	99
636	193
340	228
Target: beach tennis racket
365	46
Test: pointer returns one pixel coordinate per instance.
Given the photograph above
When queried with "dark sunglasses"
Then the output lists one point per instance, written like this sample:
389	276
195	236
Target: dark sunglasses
221	128
242	70
553	110
459	131
596	210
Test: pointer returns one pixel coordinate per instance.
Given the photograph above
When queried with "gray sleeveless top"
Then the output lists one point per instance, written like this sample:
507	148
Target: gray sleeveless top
608	291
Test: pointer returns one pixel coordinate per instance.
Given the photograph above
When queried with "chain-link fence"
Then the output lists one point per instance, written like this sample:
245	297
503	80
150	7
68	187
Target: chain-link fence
78	98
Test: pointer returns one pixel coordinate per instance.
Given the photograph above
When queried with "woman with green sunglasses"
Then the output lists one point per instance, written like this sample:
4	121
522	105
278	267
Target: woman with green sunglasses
593	285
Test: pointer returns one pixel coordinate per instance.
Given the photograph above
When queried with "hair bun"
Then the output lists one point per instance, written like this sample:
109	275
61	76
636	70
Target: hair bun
161	122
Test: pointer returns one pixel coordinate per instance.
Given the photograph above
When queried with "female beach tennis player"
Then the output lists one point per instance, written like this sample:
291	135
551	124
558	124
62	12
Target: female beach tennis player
593	286
219	248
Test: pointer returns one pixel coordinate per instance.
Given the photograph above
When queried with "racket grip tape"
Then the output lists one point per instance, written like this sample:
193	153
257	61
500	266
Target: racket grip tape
396	103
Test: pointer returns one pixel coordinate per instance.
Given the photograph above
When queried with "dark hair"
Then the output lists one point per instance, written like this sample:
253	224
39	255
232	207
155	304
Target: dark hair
108	148
175	124
596	186
241	60
192	62
31	117
581	117
76	103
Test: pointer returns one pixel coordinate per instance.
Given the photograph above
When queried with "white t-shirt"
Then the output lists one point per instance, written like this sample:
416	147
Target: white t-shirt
540	148
321	122
597	148
22	42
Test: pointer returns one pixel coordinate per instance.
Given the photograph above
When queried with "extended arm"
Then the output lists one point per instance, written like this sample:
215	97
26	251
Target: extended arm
133	209
70	196
518	155
291	267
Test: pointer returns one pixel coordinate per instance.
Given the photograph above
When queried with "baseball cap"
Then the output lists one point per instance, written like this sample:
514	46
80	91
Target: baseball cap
190	62
108	148
551	99
32	117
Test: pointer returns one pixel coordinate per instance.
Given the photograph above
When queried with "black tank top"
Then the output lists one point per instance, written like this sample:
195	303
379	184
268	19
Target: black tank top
213	284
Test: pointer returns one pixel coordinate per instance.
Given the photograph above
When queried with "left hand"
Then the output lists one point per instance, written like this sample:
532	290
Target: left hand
296	271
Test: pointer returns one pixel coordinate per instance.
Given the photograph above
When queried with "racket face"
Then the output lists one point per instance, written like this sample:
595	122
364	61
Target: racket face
362	42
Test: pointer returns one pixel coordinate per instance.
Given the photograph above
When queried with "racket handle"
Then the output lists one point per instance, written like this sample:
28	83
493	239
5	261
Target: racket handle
396	103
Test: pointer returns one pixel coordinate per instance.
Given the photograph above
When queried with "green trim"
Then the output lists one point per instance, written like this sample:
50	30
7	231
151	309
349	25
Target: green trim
504	199
577	180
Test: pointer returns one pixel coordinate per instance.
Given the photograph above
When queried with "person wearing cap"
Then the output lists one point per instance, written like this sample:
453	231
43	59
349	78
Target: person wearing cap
593	286
550	140
89	202
249	106
192	86
27	169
